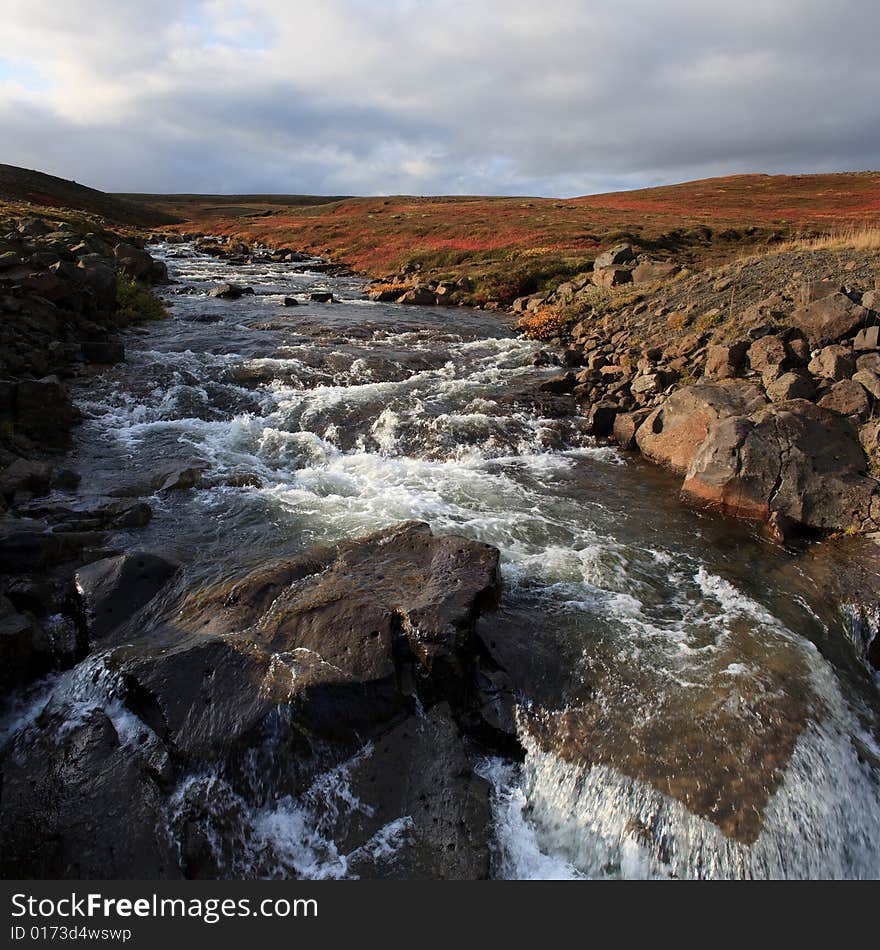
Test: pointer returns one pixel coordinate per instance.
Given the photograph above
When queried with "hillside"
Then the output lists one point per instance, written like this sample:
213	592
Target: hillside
519	245
20	187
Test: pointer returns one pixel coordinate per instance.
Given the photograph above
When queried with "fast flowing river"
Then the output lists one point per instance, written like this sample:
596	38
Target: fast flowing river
691	705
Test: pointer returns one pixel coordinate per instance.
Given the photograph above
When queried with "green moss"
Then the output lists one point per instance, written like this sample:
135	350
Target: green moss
135	302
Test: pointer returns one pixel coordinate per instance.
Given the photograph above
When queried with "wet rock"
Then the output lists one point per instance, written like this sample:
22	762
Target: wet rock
830	319
794	458
290	302
344	637
112	590
563	383
418	778
673	433
420	296
24	475
83	799
228	291
849	398
321	296
23	646
44	412
106	352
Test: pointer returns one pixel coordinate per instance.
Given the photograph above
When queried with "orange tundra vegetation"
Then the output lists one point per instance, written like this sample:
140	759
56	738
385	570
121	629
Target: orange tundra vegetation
513	245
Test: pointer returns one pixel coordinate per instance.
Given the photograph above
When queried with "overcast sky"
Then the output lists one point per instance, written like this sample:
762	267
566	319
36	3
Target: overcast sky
546	97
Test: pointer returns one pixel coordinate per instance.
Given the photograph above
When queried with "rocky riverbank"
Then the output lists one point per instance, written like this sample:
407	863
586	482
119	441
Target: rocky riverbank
67	290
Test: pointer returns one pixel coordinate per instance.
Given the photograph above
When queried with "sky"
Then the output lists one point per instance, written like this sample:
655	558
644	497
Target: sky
350	97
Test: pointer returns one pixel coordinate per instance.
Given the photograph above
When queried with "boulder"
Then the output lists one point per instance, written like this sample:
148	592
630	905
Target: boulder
792	459
44	412
419	296
626	424
611	276
870	380
134	261
418	777
102	351
601	418
290	302
867	340
833	362
620	254
23	647
673	433
344	638
562	383
830	319
849	398
725	361
767	354
321	296
25	475
114	589
791	385
653	271
83	798
228	291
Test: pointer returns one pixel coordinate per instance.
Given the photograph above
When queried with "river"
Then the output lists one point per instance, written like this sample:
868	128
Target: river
691	705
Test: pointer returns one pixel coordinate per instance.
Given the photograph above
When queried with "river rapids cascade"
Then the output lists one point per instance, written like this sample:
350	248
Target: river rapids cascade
687	705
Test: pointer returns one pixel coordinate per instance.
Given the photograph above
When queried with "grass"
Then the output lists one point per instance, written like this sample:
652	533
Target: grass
135	302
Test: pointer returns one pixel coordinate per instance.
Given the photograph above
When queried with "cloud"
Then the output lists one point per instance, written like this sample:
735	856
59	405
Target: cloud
560	97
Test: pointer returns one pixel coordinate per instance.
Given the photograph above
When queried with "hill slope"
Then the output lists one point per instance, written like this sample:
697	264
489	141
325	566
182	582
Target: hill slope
697	222
26	186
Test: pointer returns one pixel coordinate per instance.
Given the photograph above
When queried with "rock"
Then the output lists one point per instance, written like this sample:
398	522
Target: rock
419	775
673	433
868	361
870	380
23	647
24	475
27	545
419	296
230	291
867	339
343	638
768	353
830	319
794	458
849	398
44	412
601	419
626	425
114	589
102	351
134	261
620	254
321	296
653	271
290	302
791	385
820	289
833	362
563	383
81	798
611	276
725	362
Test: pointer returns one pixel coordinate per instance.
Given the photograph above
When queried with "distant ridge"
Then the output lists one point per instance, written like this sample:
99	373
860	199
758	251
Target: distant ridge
38	188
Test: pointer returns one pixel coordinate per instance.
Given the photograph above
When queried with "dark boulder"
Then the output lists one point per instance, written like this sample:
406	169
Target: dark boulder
831	319
113	589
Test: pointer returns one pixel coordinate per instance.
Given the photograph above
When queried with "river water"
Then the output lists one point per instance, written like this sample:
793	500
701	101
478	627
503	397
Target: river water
691	704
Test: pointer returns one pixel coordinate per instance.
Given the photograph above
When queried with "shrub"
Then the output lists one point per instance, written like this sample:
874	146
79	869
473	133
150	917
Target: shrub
135	302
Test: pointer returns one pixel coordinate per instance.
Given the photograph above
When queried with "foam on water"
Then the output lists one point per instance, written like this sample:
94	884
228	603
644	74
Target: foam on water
351	427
